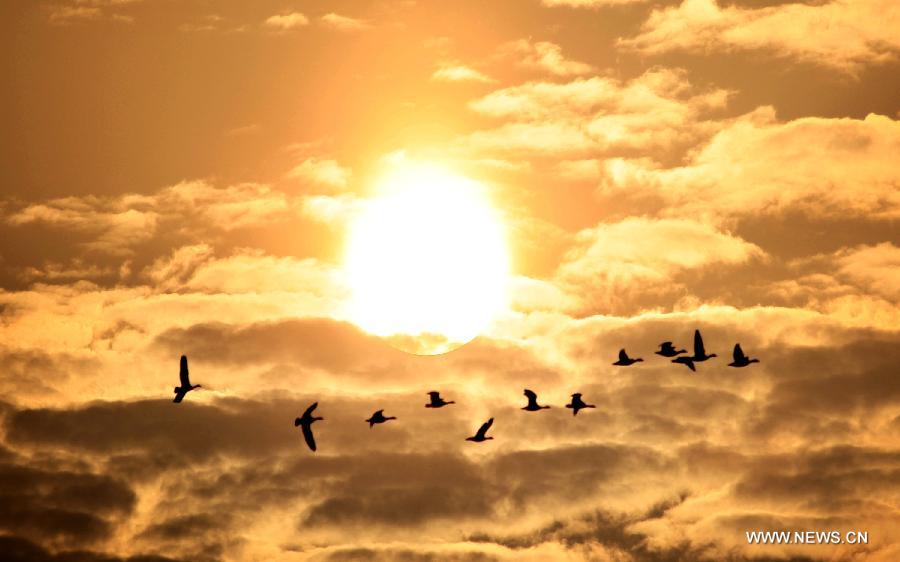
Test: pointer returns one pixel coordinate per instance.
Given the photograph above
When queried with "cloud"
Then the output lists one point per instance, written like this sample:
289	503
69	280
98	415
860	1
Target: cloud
459	73
543	56
68	14
876	268
824	167
325	172
645	256
841	34
657	110
286	22
344	23
61	507
71	11
589	3
116	225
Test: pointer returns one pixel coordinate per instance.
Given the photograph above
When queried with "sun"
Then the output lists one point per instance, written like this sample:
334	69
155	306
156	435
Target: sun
426	260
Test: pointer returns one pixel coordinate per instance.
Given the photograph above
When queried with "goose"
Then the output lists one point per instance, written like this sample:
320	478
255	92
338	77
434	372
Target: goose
437	401
699	351
480	434
186	385
624	360
379	417
741	360
578	404
532	402
666	349
305	422
686	361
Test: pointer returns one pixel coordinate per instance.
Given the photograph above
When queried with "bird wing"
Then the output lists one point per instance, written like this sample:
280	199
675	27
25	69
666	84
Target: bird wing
309	410
434	394
690	364
622	355
307	434
185	381
179	396
530	394
485	427
699	351
738	353
665	345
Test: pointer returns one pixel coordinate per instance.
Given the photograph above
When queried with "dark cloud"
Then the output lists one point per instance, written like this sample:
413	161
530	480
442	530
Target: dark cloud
18	549
404	490
402	555
61	507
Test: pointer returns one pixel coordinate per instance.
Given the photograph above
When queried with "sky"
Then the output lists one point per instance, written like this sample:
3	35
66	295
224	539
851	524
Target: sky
180	178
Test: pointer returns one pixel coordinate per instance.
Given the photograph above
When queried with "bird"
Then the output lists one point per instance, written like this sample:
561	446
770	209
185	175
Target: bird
741	360
624	360
379	417
306	421
699	351
480	434
666	349
685	360
437	401
578	404
186	385
532	402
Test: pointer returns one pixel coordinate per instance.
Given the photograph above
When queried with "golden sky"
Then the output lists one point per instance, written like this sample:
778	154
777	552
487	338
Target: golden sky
183	177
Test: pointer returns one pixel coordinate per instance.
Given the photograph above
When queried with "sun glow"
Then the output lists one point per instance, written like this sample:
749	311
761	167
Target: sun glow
427	261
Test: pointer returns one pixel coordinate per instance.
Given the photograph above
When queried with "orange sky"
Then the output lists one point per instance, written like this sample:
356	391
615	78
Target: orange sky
179	177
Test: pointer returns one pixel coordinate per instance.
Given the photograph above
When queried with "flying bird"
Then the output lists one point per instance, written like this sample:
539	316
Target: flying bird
666	349
437	401
532	402
379	417
624	360
686	361
186	385
578	404
699	351
305	422
480	435
741	360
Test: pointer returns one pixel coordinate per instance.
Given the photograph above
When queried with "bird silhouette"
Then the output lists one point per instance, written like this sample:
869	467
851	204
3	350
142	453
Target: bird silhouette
699	351
686	361
305	422
666	349
741	360
624	360
186	385
480	434
379	417
578	404
437	401
532	402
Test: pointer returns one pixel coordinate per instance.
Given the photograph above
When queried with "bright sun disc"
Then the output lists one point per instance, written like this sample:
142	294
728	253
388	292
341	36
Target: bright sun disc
427	261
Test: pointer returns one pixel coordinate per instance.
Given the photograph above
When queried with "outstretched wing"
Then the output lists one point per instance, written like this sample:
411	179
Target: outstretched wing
309	411
622	355
307	434
179	396
685	361
665	345
185	381
485	427
530	394
434	394
738	353
699	351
